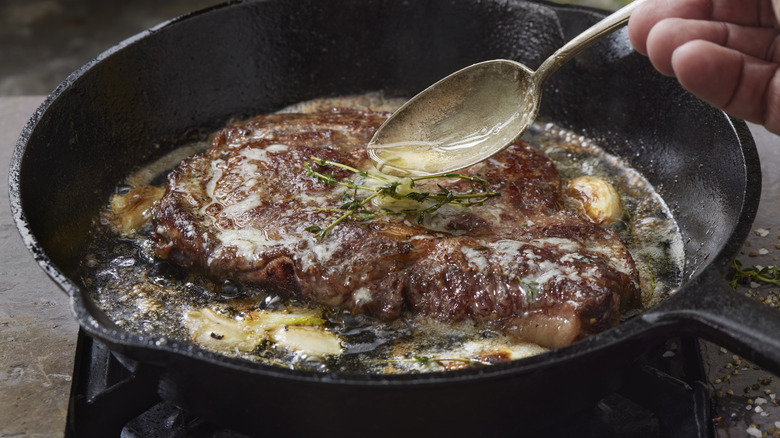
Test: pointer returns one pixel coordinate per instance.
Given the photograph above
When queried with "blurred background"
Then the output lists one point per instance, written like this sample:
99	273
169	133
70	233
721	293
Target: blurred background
42	41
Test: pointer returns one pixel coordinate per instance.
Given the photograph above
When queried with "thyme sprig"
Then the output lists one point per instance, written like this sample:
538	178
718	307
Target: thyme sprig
428	360
357	208
758	274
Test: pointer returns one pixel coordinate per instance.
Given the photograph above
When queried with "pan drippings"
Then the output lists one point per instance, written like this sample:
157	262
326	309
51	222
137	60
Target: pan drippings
153	297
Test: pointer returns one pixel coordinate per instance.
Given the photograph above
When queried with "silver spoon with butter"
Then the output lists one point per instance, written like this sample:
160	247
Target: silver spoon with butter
475	112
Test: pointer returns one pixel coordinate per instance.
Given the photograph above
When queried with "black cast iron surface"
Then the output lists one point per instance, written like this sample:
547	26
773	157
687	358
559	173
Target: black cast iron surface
661	397
251	57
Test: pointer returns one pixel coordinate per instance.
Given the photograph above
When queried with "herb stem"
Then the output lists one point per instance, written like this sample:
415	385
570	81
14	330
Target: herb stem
344	216
396	189
768	274
426	360
331	180
326	162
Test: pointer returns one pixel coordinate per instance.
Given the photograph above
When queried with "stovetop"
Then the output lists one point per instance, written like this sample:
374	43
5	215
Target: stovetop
664	395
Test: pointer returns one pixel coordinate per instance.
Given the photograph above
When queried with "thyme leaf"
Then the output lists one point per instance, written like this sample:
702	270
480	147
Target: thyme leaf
357	209
313	229
422	360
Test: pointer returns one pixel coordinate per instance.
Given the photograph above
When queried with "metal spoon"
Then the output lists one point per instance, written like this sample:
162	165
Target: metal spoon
473	113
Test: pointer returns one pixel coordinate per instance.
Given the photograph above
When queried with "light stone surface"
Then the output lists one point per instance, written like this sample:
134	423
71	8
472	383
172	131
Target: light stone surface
37	330
746	397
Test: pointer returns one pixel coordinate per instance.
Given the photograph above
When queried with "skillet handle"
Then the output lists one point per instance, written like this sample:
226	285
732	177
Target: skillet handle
711	309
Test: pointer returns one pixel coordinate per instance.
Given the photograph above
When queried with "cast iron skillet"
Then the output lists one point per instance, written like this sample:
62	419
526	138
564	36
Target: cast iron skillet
188	76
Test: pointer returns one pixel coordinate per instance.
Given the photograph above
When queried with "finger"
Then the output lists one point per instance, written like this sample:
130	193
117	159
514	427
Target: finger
671	33
757	13
741	85
647	15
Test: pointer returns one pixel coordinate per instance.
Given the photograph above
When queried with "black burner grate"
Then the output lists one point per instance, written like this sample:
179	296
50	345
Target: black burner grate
663	397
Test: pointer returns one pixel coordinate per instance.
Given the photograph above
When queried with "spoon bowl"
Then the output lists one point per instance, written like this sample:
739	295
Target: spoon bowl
475	112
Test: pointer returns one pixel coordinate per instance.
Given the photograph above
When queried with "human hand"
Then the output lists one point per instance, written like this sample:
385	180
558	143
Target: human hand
727	52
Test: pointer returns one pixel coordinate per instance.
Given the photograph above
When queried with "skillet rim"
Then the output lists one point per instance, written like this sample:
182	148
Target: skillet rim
149	348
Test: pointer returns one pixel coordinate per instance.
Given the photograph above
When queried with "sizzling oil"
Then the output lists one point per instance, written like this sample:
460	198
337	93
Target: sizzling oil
150	297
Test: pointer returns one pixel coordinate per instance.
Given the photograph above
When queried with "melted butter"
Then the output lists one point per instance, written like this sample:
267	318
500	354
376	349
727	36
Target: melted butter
423	158
413	158
462	120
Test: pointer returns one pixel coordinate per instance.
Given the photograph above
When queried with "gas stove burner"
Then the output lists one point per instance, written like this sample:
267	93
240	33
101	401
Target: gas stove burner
663	396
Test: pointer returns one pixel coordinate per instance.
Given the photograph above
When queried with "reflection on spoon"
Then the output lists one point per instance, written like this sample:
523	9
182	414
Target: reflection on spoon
474	113
417	158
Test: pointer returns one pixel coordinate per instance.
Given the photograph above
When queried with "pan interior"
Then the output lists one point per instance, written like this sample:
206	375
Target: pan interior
151	297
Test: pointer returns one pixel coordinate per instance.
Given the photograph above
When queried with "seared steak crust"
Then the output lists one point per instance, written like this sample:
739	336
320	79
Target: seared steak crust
520	262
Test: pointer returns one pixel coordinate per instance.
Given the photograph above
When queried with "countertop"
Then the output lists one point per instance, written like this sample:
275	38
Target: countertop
38	332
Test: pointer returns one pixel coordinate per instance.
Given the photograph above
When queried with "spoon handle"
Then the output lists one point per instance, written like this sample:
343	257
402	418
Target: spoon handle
584	40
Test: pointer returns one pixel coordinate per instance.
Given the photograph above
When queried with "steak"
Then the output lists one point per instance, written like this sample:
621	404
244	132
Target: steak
520	262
